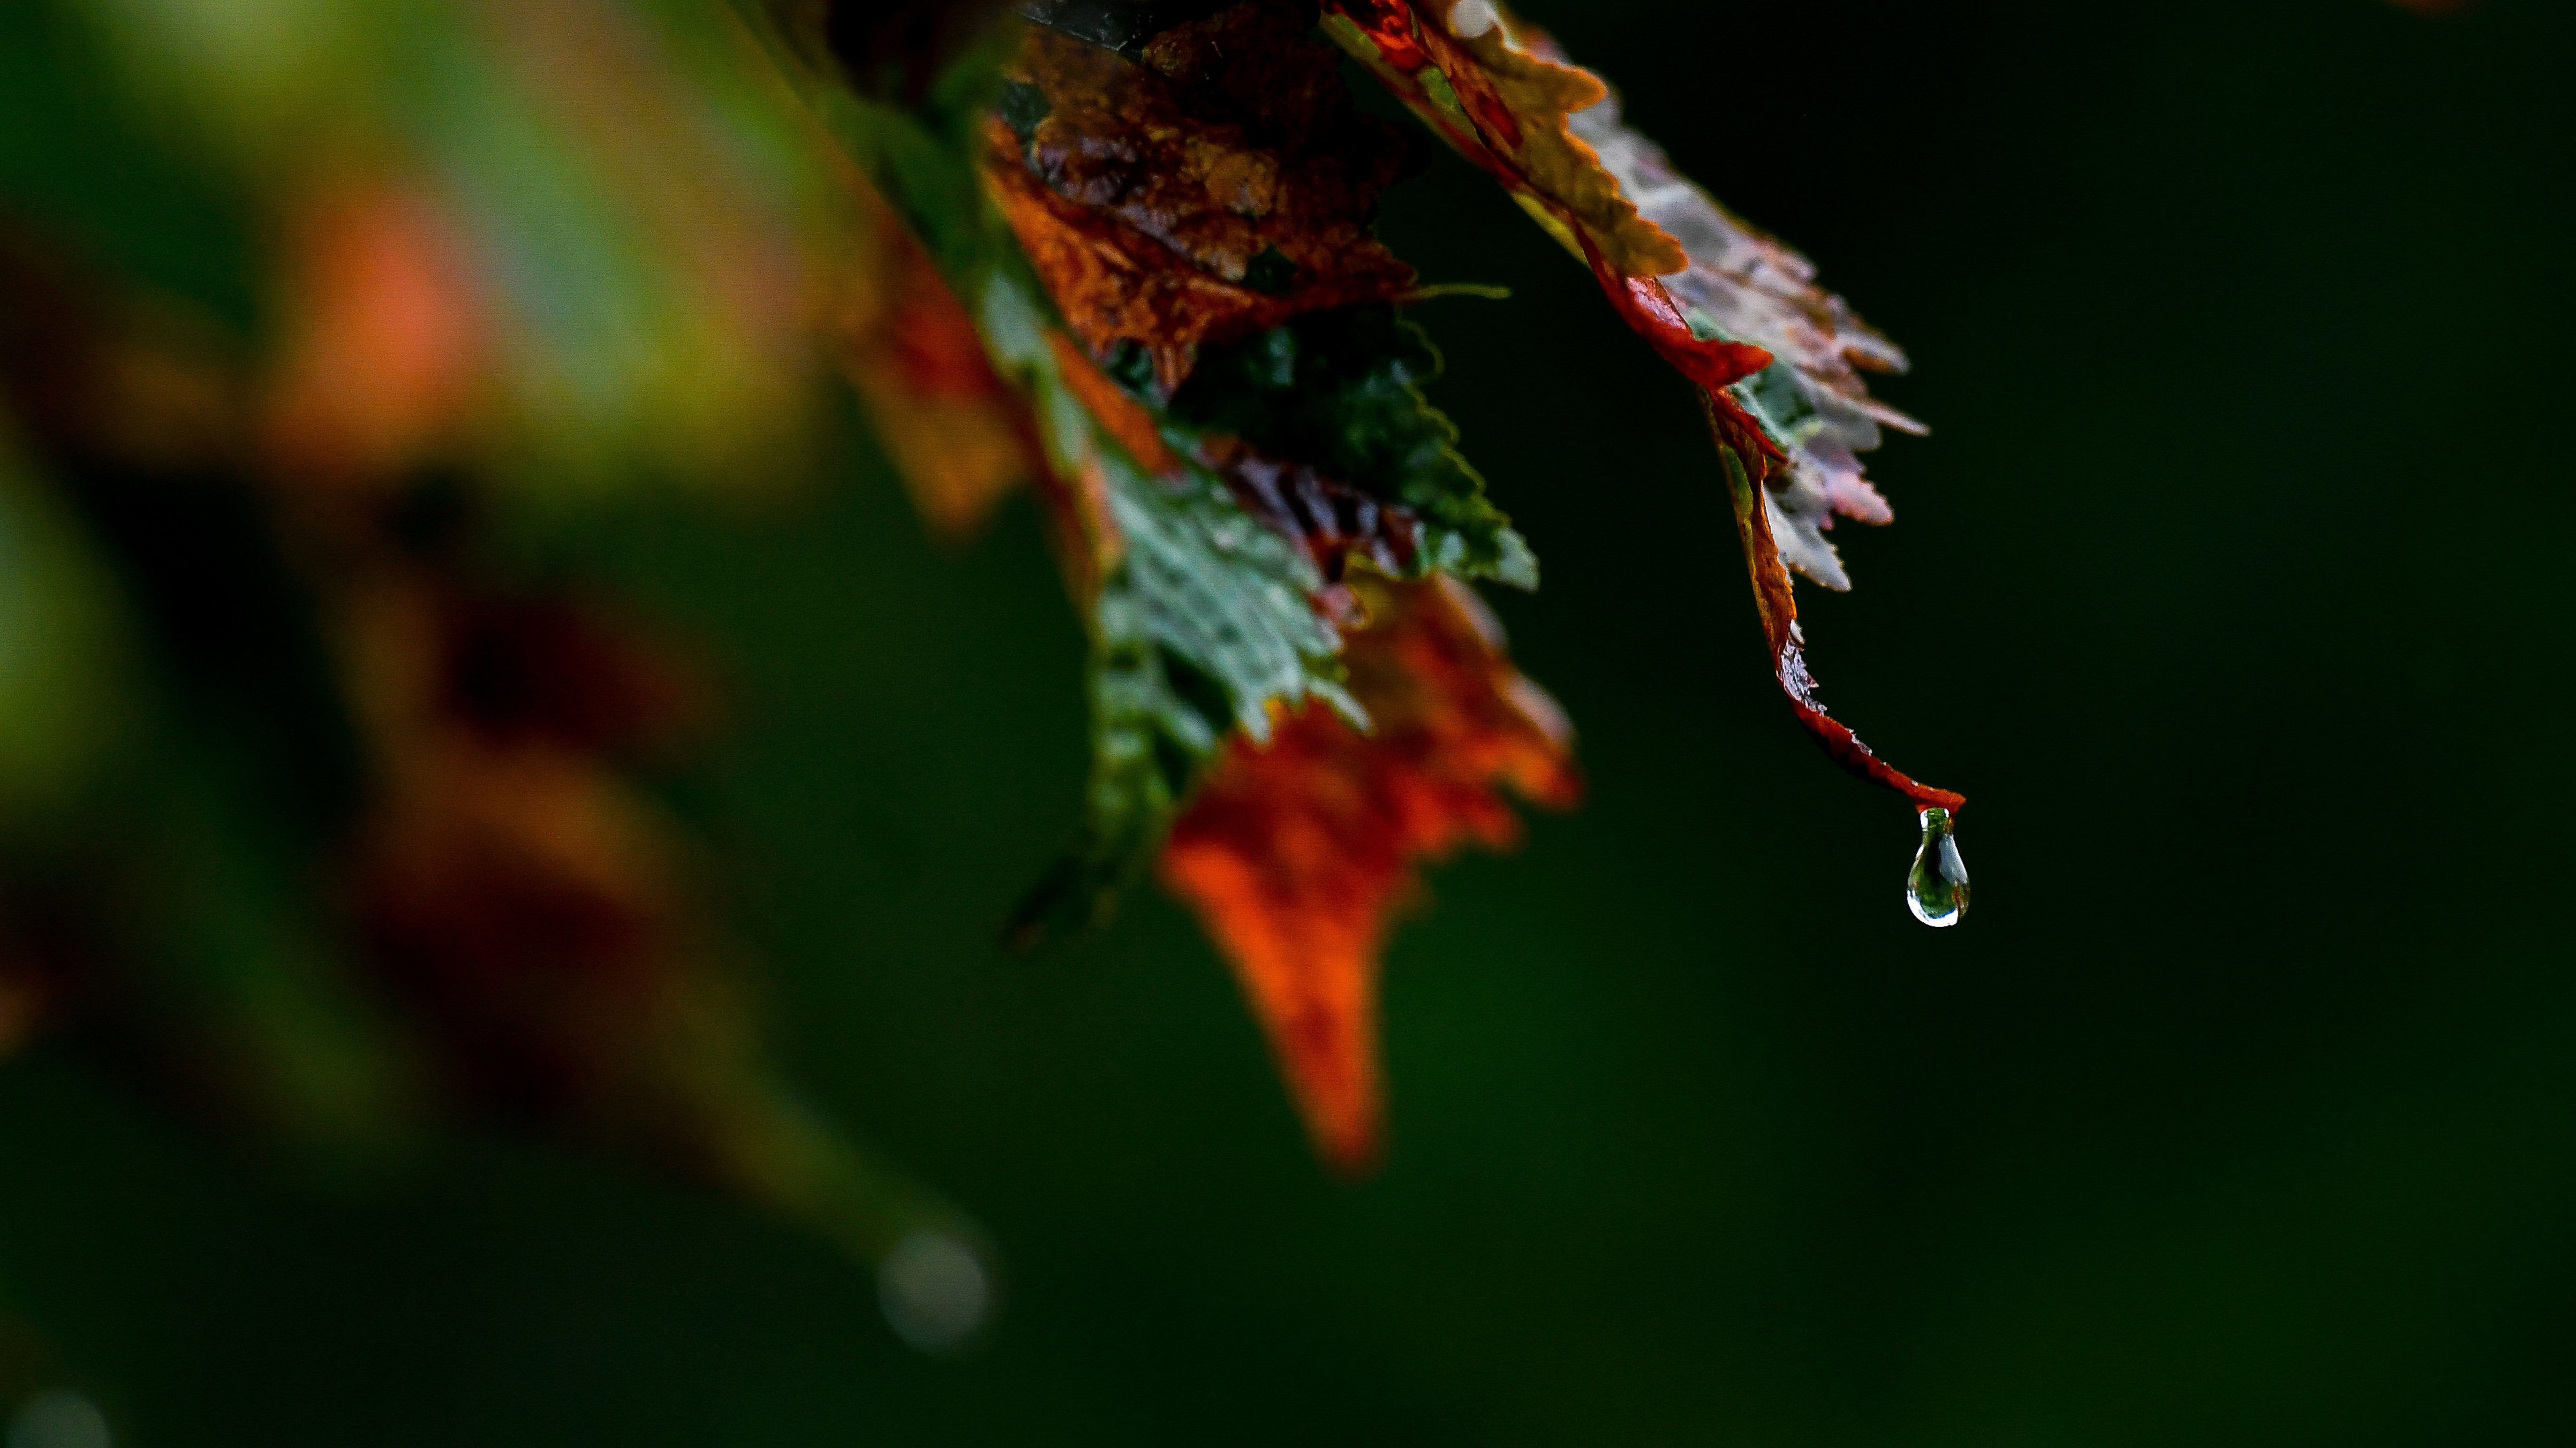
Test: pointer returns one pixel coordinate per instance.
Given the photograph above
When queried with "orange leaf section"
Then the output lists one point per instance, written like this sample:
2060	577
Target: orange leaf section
1467	78
957	434
1749	461
1538	94
1507	108
1119	415
1218	188
1297	855
1479	110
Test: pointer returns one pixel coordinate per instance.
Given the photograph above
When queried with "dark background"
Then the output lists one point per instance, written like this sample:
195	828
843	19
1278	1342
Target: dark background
2242	1109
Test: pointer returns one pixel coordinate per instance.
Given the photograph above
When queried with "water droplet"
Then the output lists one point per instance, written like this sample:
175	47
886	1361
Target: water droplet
935	1289
1936	889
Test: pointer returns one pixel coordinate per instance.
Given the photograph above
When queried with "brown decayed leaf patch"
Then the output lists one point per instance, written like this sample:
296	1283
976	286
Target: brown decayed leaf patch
1218	188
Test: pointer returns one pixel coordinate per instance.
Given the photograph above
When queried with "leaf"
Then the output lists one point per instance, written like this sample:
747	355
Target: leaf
1341	392
1200	617
172	711
1214	186
1297	852
1508	106
1776	603
1470	103
536	912
1203	625
1333	521
393	344
1742	285
1267	435
1216	183
1776	359
959	437
376	843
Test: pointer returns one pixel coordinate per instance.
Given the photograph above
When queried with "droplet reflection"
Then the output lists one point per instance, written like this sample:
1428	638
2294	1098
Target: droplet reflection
59	1419
935	1291
1936	889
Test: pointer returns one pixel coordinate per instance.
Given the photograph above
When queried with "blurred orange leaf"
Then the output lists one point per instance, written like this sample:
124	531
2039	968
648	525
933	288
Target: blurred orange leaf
959	436
389	335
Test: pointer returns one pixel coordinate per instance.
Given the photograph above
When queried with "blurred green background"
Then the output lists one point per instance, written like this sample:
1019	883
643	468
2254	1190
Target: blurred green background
2231	588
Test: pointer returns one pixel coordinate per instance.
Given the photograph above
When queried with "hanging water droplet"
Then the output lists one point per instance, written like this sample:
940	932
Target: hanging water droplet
1936	889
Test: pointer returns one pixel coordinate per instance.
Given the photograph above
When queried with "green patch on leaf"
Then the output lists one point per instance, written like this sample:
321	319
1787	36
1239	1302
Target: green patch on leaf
1205	625
1342	392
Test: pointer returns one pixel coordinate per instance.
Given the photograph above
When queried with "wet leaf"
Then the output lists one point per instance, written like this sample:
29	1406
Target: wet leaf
1775	601
1341	392
1299	850
1213	186
1810	402
1212	181
1508	105
1243	467
1205	622
1777	359
1334	522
